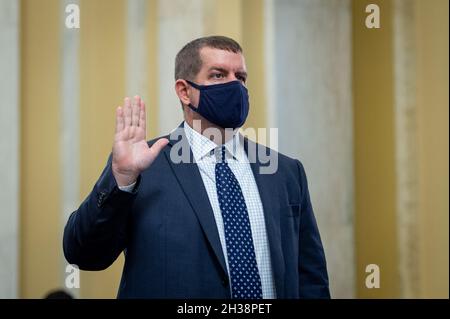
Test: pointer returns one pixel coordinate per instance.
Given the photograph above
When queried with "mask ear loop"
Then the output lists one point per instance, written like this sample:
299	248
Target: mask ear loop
193	108
196	86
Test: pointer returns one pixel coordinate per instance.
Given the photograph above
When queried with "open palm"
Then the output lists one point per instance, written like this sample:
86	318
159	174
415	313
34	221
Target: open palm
131	153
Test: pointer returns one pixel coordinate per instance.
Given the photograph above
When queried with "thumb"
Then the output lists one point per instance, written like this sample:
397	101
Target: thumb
158	146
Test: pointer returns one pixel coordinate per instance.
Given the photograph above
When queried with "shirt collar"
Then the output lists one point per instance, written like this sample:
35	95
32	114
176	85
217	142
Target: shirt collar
202	146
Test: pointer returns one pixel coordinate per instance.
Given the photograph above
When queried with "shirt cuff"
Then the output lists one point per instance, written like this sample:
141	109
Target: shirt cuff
127	188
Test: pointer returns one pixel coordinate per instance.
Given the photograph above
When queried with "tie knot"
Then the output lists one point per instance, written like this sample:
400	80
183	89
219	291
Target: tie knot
219	153
223	153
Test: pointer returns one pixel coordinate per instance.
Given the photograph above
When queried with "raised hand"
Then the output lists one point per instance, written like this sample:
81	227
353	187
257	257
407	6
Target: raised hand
131	153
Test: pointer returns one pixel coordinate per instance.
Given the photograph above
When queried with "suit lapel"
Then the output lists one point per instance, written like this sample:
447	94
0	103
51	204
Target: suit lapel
268	194
190	180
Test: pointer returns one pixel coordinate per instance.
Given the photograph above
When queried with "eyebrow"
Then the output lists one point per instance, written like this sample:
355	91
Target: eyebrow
216	68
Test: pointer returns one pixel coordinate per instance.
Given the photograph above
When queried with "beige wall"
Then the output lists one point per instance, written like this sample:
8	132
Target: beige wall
40	189
375	175
432	135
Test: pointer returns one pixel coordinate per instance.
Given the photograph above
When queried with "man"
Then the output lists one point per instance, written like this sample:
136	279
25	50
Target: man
212	226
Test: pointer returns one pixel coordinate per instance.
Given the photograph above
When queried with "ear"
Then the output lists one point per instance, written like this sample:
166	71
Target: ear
182	88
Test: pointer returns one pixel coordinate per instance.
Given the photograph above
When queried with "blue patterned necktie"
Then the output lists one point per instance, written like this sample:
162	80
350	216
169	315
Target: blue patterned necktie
245	279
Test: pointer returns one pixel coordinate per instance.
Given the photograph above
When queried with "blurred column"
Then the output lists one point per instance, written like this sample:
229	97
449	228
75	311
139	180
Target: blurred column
180	21
310	101
9	147
136	48
406	145
141	57
70	122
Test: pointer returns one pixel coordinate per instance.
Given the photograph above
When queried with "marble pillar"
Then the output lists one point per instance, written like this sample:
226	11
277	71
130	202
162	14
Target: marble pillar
9	148
310	96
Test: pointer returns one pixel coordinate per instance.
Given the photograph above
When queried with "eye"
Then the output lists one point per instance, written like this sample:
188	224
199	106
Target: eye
217	76
241	78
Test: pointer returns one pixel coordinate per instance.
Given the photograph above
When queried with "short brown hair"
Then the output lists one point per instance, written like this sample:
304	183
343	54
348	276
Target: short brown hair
188	61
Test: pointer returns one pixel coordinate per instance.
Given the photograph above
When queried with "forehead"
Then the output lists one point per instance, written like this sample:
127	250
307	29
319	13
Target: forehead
221	58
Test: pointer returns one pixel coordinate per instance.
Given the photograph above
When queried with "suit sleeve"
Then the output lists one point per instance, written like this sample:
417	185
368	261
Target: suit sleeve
96	233
313	275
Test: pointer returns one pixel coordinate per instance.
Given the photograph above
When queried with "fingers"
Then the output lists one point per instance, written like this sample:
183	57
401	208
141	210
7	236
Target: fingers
131	114
127	112
135	110
120	120
142	119
158	146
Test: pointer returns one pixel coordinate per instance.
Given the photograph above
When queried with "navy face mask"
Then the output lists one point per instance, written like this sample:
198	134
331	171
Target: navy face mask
224	104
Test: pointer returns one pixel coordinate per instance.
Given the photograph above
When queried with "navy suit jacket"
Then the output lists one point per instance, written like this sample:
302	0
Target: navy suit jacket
167	231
